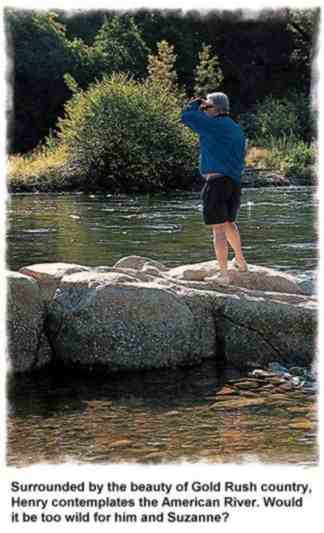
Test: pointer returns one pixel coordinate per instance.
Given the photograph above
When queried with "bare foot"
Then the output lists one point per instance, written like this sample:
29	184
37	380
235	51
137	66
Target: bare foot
240	265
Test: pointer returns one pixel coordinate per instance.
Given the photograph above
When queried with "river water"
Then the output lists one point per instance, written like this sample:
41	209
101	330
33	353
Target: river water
168	415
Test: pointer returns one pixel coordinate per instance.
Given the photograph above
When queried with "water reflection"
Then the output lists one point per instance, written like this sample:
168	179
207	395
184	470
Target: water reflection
100	229
163	416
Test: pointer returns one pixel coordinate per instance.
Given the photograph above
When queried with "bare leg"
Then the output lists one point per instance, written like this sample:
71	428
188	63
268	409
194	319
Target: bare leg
233	237
220	247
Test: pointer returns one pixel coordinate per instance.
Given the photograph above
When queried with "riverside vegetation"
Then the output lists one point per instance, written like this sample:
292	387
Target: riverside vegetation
115	125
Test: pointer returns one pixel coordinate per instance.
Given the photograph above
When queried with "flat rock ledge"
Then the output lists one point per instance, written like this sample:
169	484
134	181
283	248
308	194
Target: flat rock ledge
140	314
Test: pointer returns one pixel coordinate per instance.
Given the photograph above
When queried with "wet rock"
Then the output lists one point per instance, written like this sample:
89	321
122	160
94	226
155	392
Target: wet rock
302	424
238	403
298	371
227	391
25	323
247	384
278	368
250	394
295	409
286	387
267	388
308	286
155	457
259	373
297	381
254	177
121	443
278	396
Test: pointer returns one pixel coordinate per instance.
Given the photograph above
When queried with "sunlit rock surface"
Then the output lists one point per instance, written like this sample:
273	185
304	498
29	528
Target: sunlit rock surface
49	275
140	314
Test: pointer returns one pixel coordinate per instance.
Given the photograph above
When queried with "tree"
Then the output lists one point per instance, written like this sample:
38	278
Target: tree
119	47
208	74
161	68
41	55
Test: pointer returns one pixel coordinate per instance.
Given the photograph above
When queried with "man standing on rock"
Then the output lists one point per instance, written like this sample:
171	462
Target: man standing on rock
222	153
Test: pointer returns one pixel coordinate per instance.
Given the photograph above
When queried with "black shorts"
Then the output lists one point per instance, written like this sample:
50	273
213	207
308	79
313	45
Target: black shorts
221	197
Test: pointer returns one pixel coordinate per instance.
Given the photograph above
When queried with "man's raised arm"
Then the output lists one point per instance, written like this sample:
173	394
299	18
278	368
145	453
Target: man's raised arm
193	117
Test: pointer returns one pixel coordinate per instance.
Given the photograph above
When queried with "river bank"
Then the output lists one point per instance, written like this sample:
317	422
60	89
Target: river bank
252	177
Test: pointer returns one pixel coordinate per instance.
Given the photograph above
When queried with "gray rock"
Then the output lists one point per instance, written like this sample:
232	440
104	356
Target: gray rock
139	314
308	286
298	371
258	331
279	369
297	381
254	177
49	275
257	278
25	324
127	326
137	262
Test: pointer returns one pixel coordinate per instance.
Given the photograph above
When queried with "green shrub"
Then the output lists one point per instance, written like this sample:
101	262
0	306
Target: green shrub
125	135
293	157
279	117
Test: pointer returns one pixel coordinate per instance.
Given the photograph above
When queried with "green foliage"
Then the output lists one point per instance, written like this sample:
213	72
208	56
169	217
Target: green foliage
270	54
291	156
208	74
119	47
44	57
124	135
276	118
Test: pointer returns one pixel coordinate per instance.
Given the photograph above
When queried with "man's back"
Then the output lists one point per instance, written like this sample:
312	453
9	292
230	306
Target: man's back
222	142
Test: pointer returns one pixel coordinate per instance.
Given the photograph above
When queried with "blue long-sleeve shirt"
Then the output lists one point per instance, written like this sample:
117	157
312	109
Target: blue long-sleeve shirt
222	142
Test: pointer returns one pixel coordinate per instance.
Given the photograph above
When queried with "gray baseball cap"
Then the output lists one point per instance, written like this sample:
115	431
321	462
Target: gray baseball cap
219	100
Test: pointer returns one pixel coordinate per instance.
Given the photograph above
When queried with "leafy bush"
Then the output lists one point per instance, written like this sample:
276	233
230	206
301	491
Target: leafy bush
125	135
279	117
292	157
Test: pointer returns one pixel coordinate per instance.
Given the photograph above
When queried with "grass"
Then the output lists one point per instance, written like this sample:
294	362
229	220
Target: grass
41	169
257	156
288	155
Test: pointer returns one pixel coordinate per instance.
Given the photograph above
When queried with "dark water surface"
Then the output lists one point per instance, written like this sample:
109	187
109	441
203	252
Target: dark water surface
164	415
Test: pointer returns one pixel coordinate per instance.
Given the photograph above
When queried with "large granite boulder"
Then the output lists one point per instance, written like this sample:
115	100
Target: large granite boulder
258	329
127	325
140	314
25	324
